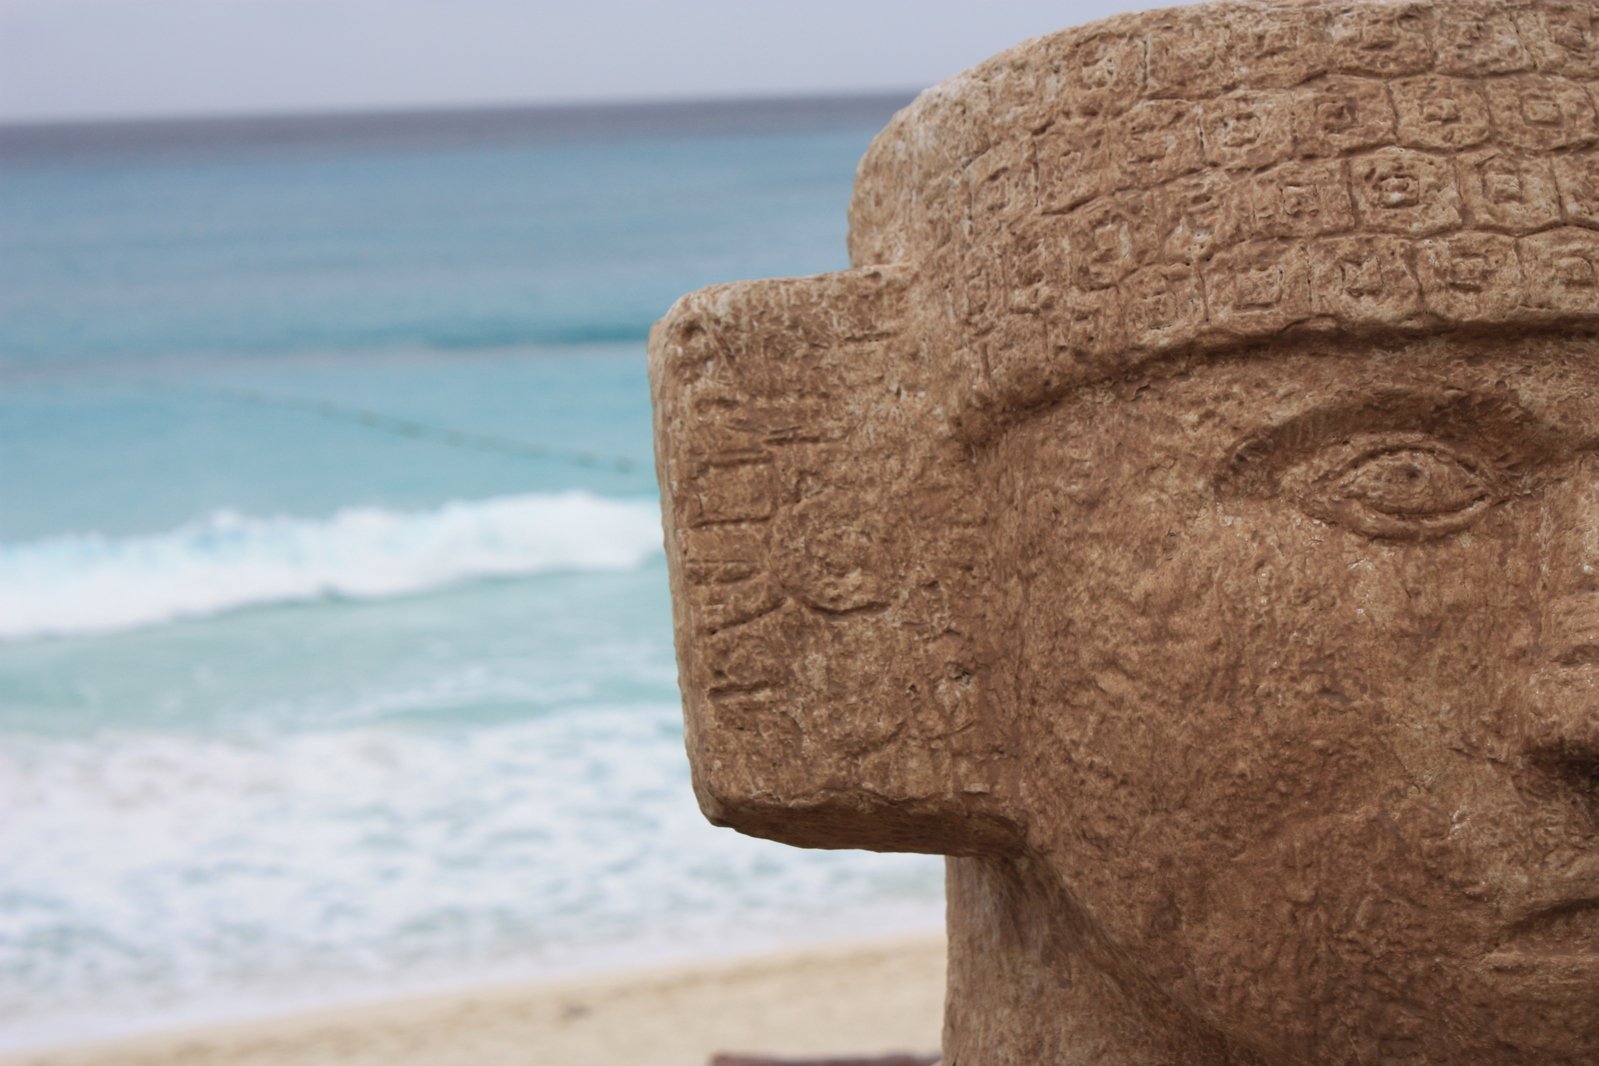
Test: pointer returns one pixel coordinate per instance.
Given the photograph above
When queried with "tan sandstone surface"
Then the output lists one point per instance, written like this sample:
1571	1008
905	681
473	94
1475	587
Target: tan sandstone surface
1185	516
869	997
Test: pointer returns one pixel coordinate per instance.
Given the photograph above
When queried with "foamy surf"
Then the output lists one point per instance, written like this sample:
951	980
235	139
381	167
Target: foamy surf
165	877
88	583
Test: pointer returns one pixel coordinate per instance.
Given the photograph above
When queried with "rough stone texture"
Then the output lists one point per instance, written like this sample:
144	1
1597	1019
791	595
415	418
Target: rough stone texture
1185	515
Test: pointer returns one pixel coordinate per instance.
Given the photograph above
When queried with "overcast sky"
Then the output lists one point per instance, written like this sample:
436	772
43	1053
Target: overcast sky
119	58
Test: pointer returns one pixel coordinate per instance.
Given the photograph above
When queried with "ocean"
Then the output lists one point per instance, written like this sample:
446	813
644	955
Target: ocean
335	646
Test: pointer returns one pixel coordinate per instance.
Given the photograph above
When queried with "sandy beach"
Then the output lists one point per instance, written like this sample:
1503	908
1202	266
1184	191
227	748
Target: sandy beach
867	997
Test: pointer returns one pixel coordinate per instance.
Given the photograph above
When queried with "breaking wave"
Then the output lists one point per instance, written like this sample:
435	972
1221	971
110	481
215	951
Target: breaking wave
91	583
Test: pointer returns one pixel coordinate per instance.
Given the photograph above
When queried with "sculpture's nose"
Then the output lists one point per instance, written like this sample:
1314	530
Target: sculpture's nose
1569	622
1564	731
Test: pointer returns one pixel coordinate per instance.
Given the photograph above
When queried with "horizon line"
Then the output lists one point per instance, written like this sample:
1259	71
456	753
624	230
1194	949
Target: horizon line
485	108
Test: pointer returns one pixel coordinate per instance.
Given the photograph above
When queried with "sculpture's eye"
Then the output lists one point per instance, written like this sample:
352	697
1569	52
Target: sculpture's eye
1413	483
1402	489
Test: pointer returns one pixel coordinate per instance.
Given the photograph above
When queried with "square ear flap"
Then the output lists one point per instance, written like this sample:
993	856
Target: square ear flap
822	546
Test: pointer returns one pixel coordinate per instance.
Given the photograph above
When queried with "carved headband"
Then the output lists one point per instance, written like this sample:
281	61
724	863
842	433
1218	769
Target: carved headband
1348	167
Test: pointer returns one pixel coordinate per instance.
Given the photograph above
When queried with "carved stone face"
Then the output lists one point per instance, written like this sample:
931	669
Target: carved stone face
1246	666
1306	659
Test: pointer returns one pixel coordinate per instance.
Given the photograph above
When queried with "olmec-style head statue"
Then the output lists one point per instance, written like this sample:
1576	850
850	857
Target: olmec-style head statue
1186	517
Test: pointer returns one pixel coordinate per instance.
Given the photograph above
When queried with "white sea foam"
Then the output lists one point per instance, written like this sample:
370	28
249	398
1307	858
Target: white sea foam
88	583
157	877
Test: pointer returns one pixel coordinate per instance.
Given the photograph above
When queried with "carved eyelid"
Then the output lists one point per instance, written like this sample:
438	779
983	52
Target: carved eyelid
1396	479
1492	433
1452	490
1472	450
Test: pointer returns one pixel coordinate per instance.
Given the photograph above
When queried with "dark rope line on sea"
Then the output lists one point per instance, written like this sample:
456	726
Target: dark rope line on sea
412	429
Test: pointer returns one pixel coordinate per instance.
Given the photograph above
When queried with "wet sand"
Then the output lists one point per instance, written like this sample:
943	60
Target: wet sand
867	997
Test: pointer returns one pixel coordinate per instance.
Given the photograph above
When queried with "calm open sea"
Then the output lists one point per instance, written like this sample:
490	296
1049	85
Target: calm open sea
335	655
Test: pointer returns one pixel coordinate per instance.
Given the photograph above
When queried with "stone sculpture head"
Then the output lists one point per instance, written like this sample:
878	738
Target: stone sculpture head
1186	517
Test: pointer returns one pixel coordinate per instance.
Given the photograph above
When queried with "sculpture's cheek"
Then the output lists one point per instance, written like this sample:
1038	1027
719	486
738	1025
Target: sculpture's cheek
1369	929
1279	733
1336	925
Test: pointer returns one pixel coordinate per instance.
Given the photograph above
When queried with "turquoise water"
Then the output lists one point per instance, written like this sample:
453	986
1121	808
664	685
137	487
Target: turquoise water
335	655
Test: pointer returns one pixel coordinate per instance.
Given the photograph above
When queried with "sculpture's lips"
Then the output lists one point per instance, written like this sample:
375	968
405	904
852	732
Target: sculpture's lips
1558	949
1569	927
1558	926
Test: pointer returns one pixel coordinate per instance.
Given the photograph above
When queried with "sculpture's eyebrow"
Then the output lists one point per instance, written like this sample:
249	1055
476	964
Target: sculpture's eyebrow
1493	425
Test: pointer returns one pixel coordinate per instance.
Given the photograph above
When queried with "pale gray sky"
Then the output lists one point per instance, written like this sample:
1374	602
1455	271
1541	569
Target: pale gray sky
119	58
